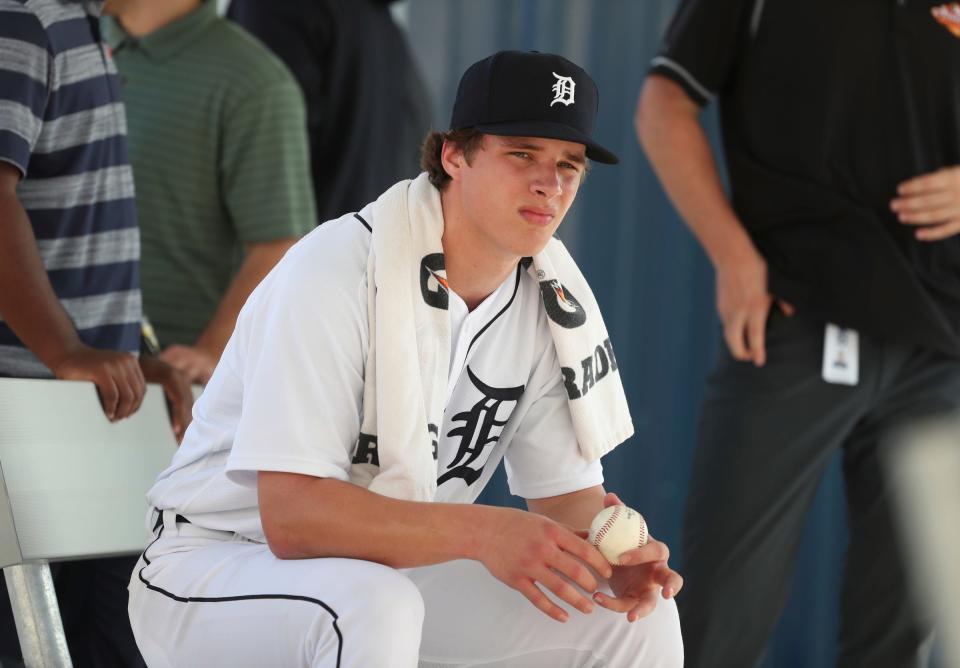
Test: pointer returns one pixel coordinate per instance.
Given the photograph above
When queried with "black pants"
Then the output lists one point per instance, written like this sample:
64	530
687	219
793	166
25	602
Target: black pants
766	437
92	595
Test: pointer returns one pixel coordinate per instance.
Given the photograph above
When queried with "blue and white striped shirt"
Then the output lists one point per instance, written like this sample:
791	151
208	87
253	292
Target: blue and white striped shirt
63	126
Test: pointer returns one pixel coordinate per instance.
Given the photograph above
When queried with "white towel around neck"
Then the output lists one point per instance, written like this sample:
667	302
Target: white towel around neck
405	376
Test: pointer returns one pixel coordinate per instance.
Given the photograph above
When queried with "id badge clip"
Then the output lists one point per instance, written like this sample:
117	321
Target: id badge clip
841	355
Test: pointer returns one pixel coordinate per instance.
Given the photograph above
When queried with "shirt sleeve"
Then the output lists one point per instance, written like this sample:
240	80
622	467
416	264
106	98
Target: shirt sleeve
703	43
543	458
300	355
25	62
265	165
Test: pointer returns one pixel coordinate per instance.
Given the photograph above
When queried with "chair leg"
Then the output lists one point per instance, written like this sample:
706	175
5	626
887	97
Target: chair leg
37	615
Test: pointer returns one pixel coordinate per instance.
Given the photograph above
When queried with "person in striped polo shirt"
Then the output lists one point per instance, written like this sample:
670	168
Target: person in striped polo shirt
69	252
70	305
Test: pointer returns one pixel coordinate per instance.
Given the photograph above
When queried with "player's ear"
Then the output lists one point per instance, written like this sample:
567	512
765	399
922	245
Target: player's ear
452	159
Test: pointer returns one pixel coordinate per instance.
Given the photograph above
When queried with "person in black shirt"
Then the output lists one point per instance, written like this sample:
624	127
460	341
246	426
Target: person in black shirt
367	108
837	267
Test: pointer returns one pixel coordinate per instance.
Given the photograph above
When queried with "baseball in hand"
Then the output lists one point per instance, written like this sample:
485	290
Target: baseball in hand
617	529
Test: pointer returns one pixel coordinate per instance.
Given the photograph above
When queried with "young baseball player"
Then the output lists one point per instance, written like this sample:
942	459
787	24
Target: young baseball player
319	511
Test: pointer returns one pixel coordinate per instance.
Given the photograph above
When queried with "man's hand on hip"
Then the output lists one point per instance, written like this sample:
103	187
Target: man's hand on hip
744	304
930	202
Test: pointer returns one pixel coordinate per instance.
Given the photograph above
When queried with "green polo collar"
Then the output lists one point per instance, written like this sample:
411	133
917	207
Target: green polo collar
167	41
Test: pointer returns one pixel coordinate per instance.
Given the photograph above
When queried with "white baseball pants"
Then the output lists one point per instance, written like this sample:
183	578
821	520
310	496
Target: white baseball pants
208	598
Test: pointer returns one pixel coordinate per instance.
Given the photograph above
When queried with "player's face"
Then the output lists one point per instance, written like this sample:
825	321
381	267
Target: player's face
516	190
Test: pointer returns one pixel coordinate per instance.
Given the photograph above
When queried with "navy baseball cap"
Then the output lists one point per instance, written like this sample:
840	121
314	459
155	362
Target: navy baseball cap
530	94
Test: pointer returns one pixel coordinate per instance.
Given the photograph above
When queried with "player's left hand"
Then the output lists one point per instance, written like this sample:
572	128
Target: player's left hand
930	202
195	362
643	577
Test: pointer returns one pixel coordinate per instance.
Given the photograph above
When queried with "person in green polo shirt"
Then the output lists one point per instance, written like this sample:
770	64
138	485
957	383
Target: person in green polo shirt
217	135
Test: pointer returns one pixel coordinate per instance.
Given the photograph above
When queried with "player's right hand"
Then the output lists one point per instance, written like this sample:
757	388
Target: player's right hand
117	375
744	304
525	549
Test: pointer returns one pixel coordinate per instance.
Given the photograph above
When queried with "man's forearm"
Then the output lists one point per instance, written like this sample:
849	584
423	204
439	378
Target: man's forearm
28	303
305	517
257	263
576	510
671	134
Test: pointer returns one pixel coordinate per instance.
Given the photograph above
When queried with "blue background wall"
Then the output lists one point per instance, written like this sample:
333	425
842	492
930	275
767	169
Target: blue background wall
653	282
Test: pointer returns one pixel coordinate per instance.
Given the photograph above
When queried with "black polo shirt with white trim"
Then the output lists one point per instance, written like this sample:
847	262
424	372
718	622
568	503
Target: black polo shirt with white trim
825	107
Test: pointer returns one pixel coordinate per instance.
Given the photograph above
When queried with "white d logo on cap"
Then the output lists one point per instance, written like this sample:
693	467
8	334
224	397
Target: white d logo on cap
563	90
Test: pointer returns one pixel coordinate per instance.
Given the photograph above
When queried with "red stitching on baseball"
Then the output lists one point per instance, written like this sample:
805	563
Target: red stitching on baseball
602	531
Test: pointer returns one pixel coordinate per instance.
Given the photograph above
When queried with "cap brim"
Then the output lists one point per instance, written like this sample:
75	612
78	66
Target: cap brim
549	130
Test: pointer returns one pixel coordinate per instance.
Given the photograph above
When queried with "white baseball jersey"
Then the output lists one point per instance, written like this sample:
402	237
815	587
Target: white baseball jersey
287	393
